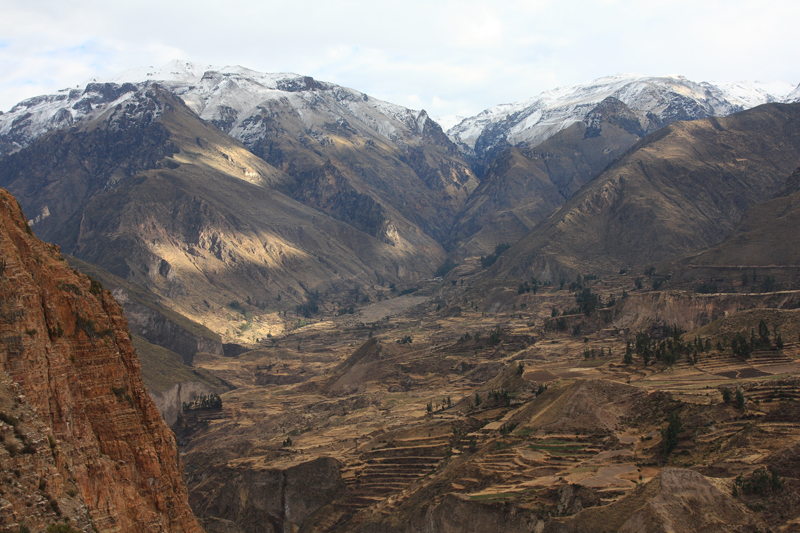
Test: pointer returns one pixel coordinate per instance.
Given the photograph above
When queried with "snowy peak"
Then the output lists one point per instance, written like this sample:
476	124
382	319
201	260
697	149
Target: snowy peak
753	93
666	99
229	97
31	118
793	96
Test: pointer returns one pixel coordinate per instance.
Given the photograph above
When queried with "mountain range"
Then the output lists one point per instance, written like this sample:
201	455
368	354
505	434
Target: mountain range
237	196
353	320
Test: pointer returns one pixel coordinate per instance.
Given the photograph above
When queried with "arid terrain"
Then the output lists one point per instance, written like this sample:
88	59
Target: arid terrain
466	408
574	313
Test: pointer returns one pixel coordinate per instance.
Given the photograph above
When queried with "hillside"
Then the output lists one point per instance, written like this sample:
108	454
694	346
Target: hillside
678	190
767	236
386	170
156	196
525	184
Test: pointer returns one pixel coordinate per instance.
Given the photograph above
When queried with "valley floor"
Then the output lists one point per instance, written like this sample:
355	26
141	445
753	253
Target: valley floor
461	408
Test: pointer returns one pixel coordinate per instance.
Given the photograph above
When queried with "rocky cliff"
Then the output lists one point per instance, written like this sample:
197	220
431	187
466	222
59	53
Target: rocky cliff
80	433
690	311
273	500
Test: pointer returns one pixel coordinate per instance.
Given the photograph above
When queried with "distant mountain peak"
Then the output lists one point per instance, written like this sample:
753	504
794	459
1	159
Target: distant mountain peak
667	98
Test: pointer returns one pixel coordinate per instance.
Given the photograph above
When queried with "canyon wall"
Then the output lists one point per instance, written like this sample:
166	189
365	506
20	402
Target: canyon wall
81	435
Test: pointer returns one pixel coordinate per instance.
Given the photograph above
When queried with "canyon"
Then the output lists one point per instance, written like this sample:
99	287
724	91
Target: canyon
577	312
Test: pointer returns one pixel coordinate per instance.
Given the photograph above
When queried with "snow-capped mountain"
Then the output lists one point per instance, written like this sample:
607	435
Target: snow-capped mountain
793	96
662	98
386	169
226	97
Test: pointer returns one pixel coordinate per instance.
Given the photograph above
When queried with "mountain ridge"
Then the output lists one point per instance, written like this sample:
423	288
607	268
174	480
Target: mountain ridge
681	189
667	98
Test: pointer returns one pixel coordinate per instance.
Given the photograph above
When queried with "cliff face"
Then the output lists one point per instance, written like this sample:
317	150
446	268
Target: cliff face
86	435
273	500
690	311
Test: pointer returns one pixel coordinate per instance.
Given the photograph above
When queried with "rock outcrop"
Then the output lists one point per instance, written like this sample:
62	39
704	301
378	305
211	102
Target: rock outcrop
170	401
273	500
80	432
690	311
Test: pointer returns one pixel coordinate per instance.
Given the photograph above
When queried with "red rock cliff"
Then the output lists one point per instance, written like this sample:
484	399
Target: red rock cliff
78	429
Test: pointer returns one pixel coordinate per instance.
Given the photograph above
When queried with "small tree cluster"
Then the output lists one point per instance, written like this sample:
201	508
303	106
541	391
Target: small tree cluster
727	397
588	301
761	482
204	403
707	288
499	397
628	357
560	324
665	351
490	259
742	346
590	353
526	287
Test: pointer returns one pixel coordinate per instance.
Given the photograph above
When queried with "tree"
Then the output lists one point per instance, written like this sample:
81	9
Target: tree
670	434
643	347
494	338
477	399
587	301
726	395
763	334
740	347
739	399
628	357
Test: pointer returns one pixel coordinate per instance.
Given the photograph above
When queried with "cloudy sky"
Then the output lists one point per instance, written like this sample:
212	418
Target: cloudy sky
448	57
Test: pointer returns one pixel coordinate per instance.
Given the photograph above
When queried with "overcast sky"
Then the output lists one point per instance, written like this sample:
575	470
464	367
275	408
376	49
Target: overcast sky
448	57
